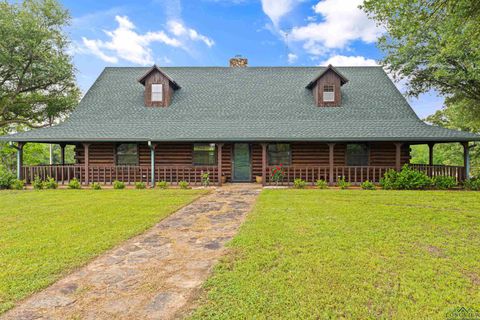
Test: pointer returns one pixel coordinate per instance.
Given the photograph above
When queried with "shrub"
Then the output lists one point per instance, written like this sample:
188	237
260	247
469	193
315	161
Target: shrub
206	179
321	184
183	185
406	179
162	184
342	184
118	185
140	185
74	184
277	174
18	184
6	178
50	183
444	182
96	186
299	183
368	185
37	183
472	184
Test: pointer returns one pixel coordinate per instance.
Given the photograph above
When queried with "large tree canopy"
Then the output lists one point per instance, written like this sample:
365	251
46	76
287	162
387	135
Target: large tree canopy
433	44
37	81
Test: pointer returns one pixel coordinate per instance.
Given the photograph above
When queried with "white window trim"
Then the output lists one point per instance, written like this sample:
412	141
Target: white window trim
157	96
329	96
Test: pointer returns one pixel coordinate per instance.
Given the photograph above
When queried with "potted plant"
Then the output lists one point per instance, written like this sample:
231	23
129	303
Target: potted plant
258	179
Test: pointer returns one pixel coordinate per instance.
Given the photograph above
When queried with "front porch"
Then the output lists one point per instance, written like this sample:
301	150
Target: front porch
235	162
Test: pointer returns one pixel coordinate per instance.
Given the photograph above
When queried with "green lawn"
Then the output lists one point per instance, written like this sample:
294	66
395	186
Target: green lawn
319	254
46	234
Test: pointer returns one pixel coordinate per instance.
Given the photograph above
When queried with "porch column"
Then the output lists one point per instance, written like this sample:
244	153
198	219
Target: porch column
152	146
430	153
19	148
398	155
466	160
219	162
264	164
86	147
62	154
331	149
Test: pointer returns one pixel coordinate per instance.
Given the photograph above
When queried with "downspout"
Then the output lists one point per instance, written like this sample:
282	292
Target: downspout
152	164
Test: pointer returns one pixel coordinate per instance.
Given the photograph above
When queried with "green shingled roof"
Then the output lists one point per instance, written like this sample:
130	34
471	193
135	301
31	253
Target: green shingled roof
243	104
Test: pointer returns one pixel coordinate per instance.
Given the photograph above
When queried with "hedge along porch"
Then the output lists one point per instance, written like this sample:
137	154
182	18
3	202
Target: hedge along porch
237	122
235	162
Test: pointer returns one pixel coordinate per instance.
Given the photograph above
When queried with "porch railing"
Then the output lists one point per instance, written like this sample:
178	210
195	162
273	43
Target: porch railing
128	174
358	174
353	174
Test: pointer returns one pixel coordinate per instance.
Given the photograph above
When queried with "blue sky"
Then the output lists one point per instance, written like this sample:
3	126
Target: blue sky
209	32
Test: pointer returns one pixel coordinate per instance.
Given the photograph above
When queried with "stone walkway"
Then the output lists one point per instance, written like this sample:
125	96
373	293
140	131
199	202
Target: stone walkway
156	275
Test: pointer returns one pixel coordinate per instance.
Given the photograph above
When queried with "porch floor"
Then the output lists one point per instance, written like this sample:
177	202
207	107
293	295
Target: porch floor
155	275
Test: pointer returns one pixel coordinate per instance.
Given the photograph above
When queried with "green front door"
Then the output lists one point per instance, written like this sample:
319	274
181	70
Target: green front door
241	162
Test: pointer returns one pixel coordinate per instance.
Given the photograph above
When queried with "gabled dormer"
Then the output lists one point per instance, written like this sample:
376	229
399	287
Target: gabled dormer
159	87
326	87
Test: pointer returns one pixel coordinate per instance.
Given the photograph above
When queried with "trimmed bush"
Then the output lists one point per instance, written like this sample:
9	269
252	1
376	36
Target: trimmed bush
342	184
184	185
37	183
6	178
444	182
50	183
406	179
472	184
299	183
140	185
118	185
18	184
74	184
321	184
162	184
96	186
368	185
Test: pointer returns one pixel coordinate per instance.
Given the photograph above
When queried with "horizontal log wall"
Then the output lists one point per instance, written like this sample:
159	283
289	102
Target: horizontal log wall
303	154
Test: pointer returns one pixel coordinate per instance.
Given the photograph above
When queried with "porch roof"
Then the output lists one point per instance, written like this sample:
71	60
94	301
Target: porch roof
243	104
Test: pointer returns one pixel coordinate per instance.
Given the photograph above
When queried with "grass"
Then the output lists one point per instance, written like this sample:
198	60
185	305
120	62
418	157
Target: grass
321	254
46	234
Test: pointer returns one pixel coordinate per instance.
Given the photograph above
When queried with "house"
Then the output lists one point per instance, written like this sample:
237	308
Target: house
237	123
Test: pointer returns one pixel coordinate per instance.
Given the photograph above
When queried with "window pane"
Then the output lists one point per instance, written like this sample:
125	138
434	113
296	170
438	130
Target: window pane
328	93
357	155
127	154
157	92
204	154
279	153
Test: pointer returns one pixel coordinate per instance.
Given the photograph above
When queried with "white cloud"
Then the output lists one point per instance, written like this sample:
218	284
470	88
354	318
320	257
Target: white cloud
292	57
178	29
341	24
339	60
276	9
127	44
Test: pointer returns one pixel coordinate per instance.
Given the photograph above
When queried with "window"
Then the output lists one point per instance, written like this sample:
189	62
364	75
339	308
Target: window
279	153
127	154
157	92
328	93
357	155
204	154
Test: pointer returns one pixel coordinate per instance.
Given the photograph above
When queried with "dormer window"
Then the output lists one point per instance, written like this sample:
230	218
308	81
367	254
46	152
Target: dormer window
157	92
326	87
328	93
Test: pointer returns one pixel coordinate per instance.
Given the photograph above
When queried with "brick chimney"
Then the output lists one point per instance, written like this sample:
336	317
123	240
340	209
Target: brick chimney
238	62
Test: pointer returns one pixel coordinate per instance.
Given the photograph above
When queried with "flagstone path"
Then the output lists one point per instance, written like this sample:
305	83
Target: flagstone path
156	275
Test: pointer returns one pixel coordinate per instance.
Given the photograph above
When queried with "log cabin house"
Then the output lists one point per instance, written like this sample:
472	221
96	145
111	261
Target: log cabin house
175	123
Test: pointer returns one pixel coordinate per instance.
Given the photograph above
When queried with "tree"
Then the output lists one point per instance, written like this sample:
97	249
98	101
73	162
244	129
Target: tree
37	77
433	44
